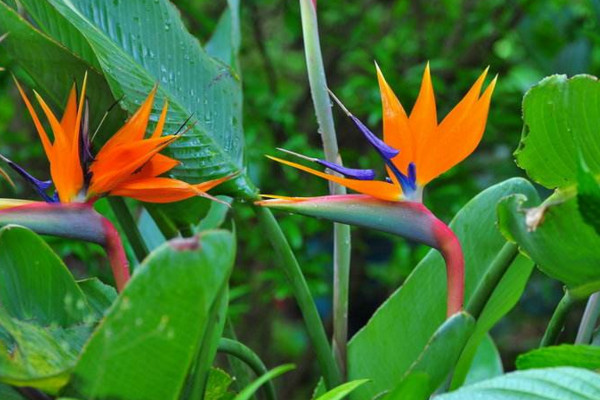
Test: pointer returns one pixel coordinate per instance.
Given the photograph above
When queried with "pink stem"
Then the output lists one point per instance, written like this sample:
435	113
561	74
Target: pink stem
116	255
452	252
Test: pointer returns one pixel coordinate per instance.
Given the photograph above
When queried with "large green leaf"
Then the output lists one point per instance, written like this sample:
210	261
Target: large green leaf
51	68
8	393
144	42
541	384
146	344
384	350
568	355
52	23
561	119
588	197
547	234
45	318
225	42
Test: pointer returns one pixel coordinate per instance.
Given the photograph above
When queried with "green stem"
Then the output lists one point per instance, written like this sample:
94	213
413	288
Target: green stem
490	280
291	268
341	233
244	353
241	373
589	319
129	226
557	322
165	225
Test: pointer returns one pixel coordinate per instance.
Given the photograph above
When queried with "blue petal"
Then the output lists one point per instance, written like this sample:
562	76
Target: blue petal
361	174
39	186
388	152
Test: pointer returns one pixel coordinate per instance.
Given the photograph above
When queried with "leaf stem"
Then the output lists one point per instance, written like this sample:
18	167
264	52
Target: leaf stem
126	221
341	233
589	319
116	255
557	322
250	358
164	224
490	280
314	325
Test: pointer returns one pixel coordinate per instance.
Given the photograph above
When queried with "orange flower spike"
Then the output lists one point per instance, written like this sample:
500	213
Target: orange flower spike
68	120
455	137
135	128
423	117
36	121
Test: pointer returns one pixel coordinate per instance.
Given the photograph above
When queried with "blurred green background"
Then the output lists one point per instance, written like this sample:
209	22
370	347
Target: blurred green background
522	41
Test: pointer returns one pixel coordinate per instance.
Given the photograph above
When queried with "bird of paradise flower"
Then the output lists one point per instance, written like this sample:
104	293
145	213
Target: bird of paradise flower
415	149
129	165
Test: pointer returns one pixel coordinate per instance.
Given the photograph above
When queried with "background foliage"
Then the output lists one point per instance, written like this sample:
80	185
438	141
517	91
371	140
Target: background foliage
522	43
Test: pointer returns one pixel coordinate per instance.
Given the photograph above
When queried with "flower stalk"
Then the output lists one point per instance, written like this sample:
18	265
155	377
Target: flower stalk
72	221
411	220
341	233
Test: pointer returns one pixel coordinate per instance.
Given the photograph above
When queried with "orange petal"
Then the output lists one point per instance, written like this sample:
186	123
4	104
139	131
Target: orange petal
38	125
378	189
161	121
117	164
68	120
157	165
65	167
135	128
457	140
164	190
423	117
396	128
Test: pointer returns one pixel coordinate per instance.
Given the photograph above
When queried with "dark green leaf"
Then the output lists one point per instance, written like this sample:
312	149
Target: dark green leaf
588	197
52	68
225	41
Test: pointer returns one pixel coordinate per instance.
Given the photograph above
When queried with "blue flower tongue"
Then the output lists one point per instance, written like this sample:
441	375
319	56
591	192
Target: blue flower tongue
387	152
360	174
39	186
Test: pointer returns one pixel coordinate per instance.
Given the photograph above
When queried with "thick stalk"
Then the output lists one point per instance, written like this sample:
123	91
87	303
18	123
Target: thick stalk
341	233
557	322
116	255
314	325
589	319
244	353
490	280
129	226
449	246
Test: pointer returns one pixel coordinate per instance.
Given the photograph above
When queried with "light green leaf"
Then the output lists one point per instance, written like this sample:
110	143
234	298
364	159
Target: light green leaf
537	384
99	295
217	387
414	386
340	392
486	362
45	318
226	39
561	119
567	355
146	344
384	350
141	43
545	234
249	390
